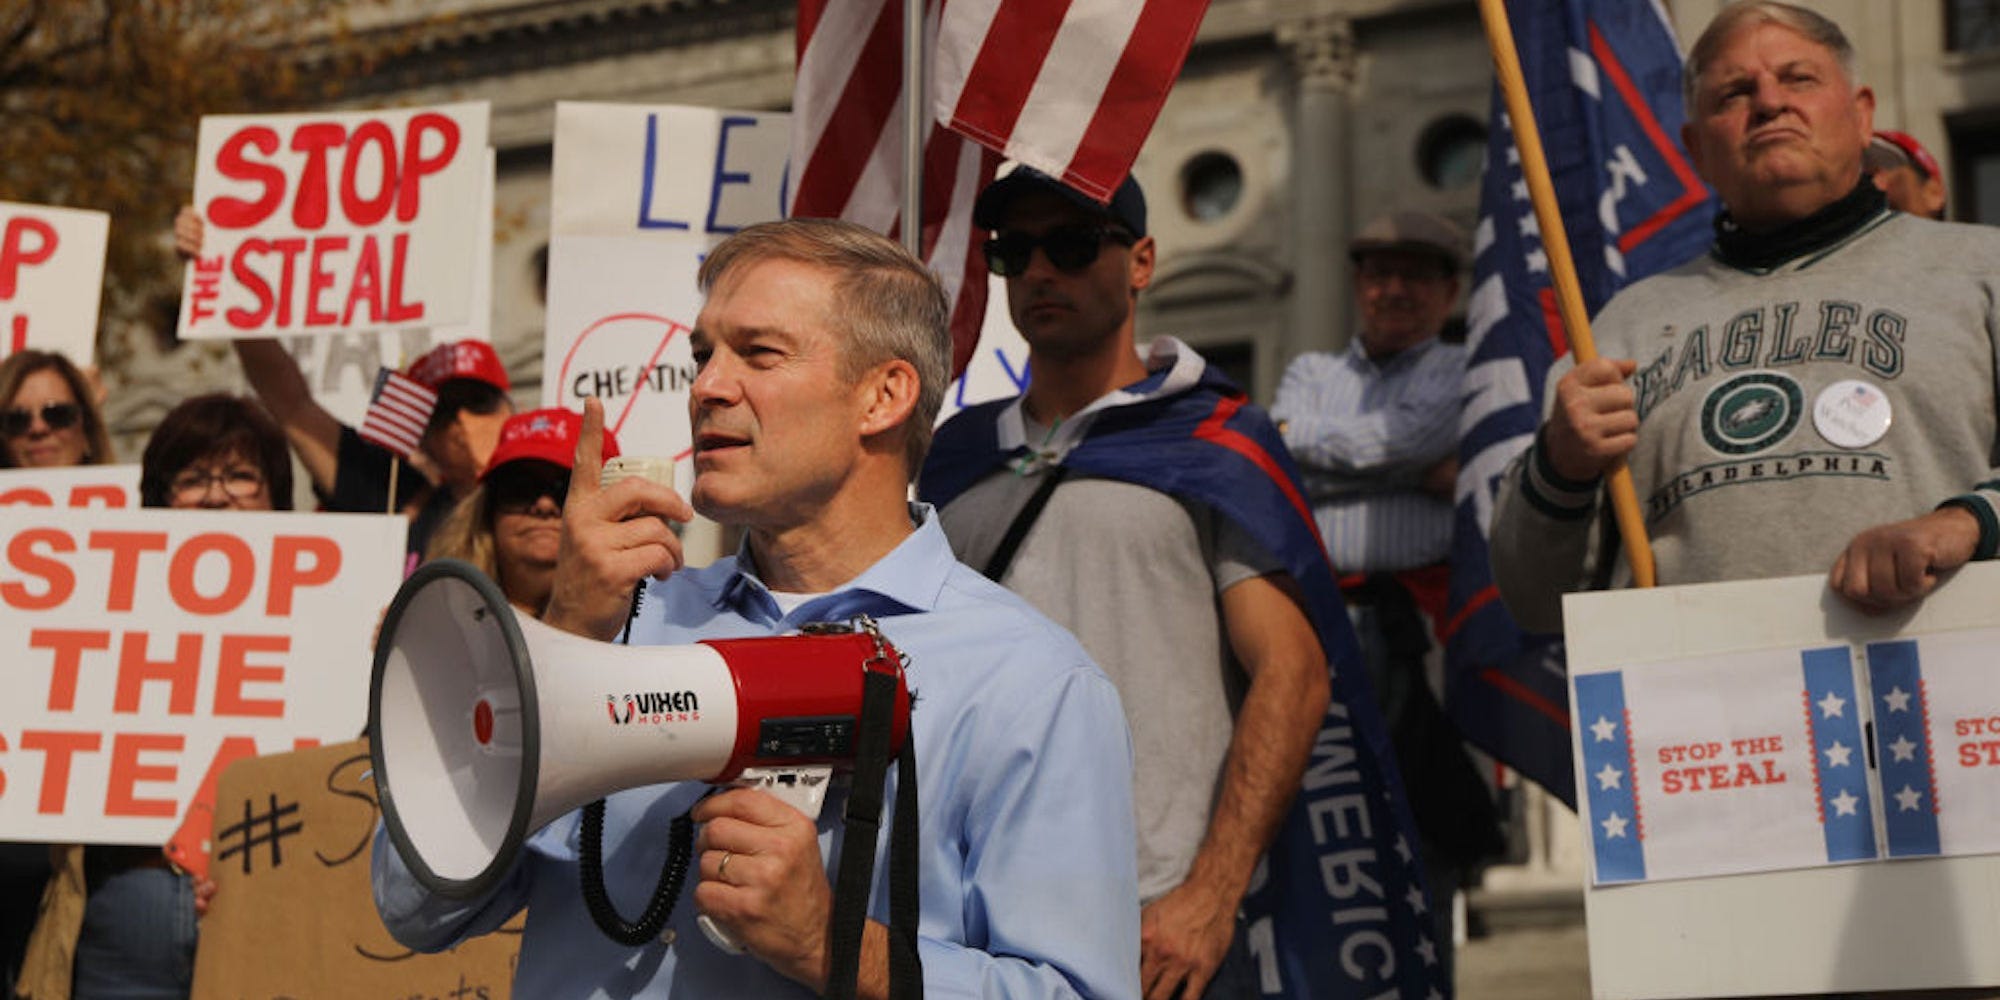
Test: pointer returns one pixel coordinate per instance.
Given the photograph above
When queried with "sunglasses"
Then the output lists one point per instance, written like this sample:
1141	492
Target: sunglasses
58	416
518	494
1069	248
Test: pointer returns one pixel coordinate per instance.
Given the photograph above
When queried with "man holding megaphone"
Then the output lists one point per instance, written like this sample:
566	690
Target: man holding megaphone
823	354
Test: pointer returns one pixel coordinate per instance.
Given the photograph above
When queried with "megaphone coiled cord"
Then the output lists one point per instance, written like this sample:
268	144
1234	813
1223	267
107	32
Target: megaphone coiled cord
673	874
590	856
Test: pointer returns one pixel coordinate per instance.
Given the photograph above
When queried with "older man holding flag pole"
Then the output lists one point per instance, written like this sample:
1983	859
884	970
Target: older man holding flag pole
1602	79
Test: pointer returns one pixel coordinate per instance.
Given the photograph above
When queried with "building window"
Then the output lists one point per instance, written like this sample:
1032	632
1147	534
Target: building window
1972	25
1975	173
1211	185
1452	151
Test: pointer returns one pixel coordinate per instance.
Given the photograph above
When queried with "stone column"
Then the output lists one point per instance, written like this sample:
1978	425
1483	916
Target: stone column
1323	57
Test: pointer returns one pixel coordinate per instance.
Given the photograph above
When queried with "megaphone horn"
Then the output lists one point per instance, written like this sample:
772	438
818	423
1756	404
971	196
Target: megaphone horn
486	725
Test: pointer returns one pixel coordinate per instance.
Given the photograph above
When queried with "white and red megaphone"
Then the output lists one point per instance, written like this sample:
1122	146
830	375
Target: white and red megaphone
486	726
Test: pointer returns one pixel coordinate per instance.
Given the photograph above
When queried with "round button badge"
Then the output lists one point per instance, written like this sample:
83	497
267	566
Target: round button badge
1852	414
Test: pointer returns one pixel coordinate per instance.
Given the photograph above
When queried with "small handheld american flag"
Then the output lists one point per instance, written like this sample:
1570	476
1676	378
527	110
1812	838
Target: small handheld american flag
398	410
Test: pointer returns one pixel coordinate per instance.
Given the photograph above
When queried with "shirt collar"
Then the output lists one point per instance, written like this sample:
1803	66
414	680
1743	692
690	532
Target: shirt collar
1358	355
907	580
1171	367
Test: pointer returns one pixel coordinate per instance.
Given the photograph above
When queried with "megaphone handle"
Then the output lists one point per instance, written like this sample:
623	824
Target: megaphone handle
717	936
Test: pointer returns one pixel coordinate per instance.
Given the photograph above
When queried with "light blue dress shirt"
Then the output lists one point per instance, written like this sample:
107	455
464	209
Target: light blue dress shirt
1029	883
1364	434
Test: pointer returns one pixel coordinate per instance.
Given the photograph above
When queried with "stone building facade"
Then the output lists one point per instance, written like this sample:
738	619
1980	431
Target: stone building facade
1293	122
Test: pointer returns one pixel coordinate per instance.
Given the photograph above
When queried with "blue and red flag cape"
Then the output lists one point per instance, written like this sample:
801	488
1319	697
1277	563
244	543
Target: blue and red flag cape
1604	79
1339	908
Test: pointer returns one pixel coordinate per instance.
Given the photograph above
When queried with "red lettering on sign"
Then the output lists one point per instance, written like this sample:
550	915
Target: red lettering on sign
57	749
29	496
235	670
182	673
416	164
59	580
121	796
290	570
125	548
241	577
400	311
235	213
69	646
367	211
309	205
319	279
16	253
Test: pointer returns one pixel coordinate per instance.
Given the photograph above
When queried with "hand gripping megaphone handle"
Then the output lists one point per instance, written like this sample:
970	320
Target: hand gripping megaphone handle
802	788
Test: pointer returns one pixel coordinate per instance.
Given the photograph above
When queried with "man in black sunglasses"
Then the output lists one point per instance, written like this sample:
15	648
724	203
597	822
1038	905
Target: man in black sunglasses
1171	552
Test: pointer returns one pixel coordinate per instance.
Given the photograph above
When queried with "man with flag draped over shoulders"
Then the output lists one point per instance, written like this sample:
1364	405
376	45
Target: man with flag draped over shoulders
1816	391
1144	504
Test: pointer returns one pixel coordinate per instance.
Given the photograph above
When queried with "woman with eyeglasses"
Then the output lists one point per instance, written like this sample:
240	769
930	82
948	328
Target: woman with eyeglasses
213	452
510	525
50	416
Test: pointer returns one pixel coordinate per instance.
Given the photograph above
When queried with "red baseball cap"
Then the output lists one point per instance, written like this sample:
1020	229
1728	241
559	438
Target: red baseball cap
473	359
549	435
1912	150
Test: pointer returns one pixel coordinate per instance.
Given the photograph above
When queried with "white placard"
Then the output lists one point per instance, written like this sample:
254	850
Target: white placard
340	367
1895	916
999	365
337	221
51	279
639	195
144	647
108	486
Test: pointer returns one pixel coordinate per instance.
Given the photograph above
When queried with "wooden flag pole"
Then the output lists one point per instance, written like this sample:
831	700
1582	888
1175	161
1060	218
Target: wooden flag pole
1562	267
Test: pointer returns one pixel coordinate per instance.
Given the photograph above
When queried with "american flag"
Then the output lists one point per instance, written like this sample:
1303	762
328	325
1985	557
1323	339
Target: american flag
1604	78
847	132
398	409
1071	87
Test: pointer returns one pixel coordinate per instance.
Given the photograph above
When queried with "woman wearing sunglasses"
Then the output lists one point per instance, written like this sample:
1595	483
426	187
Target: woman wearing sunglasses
510	525
50	416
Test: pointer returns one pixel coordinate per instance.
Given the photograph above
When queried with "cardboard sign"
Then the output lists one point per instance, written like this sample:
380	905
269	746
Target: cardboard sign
145	649
51	279
107	486
639	194
296	827
343	221
1839	762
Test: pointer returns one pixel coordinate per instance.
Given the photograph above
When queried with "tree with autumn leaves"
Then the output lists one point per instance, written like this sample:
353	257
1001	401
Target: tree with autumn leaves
99	102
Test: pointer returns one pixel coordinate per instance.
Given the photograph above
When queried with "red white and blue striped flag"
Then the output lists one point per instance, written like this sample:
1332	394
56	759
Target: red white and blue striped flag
398	409
1604	79
1071	87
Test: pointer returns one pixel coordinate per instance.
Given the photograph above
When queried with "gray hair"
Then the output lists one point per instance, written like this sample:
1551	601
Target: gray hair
1814	26
889	305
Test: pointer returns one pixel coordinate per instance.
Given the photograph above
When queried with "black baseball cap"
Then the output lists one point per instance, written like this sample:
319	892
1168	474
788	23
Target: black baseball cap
1127	208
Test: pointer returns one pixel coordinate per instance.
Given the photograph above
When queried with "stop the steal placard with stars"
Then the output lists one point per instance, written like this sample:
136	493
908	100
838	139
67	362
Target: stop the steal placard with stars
1791	758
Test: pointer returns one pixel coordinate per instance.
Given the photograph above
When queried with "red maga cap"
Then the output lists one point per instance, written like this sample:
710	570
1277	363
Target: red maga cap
1908	145
473	359
549	435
